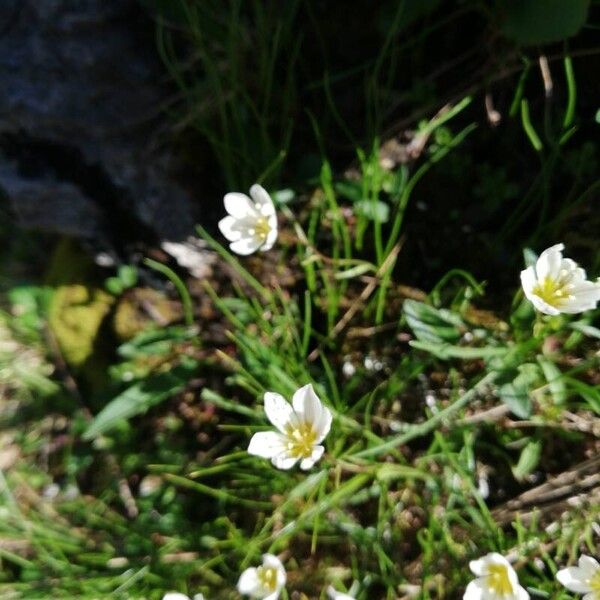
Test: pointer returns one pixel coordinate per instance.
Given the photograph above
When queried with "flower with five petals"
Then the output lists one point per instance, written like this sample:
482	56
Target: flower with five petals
264	582
496	580
559	285
301	427
251	224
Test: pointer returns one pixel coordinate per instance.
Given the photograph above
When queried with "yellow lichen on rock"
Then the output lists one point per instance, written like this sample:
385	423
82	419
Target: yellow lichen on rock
75	315
140	308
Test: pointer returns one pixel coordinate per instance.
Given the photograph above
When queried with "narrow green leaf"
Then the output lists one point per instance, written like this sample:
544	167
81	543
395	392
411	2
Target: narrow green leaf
356	271
516	398
153	342
210	396
141	396
534	138
431	324
586	329
447	351
528	460
572	96
186	298
392	472
554	377
590	393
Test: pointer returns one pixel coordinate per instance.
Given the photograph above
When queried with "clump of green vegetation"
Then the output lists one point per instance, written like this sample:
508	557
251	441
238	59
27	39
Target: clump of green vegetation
464	421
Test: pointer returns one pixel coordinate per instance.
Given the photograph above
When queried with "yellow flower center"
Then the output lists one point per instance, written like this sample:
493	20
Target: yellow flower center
261	228
497	580
594	584
267	577
552	291
300	440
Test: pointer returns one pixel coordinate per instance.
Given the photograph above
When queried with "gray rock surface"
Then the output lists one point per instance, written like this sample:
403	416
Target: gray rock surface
81	96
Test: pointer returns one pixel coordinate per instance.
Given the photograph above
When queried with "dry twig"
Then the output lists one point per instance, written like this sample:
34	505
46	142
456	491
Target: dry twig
577	486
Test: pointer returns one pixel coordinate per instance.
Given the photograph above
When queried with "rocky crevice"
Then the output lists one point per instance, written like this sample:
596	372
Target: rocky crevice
81	149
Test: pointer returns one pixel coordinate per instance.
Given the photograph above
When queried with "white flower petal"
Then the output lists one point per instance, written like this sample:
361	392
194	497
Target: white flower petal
495	558
480	588
239	205
521	593
475	590
324	425
477	567
513	578
587	290
528	281
271	236
284	461
279	411
273	596
571	271
576	306
574	579
307	404
230	229
480	567
271	561
248	581
198	597
584	296
335	595
281	577
543	306
588	564
262	200
245	246
175	596
266	444
307	463
549	261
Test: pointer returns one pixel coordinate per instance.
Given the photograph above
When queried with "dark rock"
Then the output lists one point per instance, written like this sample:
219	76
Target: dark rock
81	149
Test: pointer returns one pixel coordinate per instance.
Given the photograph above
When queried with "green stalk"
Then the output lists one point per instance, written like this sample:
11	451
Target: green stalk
186	299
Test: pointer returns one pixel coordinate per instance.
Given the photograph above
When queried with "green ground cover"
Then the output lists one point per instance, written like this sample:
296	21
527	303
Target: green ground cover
416	170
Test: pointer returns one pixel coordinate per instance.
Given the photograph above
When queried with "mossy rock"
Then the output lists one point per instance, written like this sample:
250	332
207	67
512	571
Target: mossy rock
77	310
75	316
141	308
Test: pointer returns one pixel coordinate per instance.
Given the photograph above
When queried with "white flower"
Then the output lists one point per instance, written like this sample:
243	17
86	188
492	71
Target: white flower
265	581
496	580
301	426
335	595
558	285
178	596
583	579
251	223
